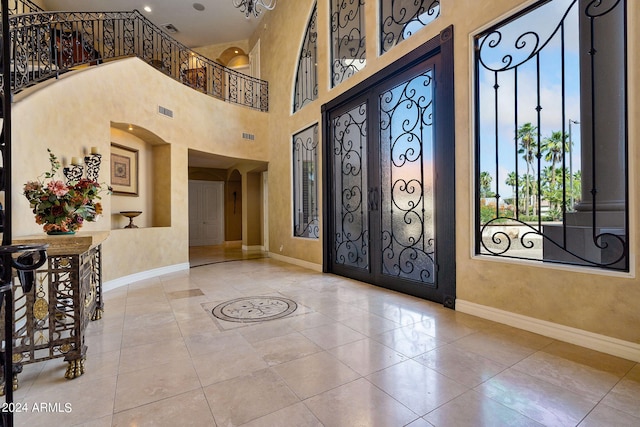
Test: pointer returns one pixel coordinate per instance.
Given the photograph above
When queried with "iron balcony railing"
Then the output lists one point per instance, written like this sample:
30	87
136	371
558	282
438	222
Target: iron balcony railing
46	44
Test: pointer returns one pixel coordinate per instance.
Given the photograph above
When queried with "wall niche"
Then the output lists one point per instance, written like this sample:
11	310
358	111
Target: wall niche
148	187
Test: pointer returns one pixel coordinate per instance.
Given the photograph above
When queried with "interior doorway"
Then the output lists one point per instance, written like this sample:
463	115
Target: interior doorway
206	213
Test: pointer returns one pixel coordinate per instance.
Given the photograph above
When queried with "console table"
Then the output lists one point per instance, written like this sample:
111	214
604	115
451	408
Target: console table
51	319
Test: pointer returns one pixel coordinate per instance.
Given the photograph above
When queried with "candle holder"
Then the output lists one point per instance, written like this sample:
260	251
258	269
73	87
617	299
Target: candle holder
74	172
93	166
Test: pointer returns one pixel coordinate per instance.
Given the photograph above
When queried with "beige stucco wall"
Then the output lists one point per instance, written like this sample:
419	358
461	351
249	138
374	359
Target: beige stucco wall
74	113
252	199
581	298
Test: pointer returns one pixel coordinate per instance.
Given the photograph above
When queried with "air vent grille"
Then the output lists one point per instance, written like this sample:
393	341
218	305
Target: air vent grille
248	136
165	111
169	28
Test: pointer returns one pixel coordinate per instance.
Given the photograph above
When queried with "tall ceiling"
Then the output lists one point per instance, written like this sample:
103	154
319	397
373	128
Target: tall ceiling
219	22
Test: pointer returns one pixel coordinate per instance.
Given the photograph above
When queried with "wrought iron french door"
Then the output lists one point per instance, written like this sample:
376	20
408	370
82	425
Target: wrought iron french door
389	175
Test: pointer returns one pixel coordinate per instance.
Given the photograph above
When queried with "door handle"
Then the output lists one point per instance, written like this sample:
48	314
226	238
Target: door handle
372	199
375	198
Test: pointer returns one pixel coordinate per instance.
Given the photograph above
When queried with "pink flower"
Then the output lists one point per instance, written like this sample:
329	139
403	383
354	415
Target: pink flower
58	188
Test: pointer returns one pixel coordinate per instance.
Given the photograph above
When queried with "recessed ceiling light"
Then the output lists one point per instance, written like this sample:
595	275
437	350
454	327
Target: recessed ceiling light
147	8
199	7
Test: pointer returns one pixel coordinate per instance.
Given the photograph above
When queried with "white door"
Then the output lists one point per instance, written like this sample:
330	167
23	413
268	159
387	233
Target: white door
206	213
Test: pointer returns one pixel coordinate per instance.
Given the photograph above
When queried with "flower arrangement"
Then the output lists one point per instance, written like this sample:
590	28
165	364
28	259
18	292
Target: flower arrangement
63	207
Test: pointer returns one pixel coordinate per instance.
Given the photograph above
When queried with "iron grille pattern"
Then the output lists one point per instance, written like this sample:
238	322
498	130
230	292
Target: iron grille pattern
400	19
50	321
305	183
351	238
306	89
348	53
568	57
46	44
407	188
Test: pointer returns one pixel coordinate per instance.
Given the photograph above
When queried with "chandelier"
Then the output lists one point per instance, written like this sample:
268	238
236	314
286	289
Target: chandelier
254	7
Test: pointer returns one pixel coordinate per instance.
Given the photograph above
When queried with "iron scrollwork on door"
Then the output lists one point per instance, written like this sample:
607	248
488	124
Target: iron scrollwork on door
407	181
351	216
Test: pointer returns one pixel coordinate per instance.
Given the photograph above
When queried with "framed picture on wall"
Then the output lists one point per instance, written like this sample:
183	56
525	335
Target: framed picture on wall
124	170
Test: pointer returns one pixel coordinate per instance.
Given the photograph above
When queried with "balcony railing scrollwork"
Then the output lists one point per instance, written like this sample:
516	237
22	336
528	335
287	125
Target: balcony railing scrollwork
46	44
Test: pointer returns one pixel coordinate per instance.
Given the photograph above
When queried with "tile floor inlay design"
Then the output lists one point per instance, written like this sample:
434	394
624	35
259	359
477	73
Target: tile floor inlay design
254	309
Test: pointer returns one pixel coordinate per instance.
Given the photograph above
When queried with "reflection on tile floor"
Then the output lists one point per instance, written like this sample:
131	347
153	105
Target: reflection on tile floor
351	355
230	251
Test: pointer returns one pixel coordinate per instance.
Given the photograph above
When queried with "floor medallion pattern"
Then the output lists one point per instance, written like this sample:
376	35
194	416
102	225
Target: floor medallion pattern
254	309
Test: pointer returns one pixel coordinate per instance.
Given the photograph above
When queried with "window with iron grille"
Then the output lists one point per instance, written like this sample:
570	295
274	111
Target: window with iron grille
400	19
551	135
306	89
305	183
348	53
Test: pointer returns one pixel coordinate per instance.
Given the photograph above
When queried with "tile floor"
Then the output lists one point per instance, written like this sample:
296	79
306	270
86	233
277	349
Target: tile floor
351	355
230	251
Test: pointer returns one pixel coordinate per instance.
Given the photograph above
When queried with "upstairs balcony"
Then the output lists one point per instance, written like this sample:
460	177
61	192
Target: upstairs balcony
45	44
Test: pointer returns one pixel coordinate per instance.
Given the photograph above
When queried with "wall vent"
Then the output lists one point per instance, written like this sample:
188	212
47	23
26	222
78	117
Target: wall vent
248	136
169	28
165	111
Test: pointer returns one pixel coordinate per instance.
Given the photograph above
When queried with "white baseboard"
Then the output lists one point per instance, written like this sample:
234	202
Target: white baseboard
143	275
614	346
295	261
252	248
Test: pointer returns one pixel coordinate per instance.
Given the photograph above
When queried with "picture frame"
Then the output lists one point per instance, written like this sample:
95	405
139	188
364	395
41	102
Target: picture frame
124	170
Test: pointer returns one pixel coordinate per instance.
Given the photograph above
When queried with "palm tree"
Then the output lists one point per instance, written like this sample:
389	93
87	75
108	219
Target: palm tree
485	185
512	181
554	148
530	188
526	134
551	192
